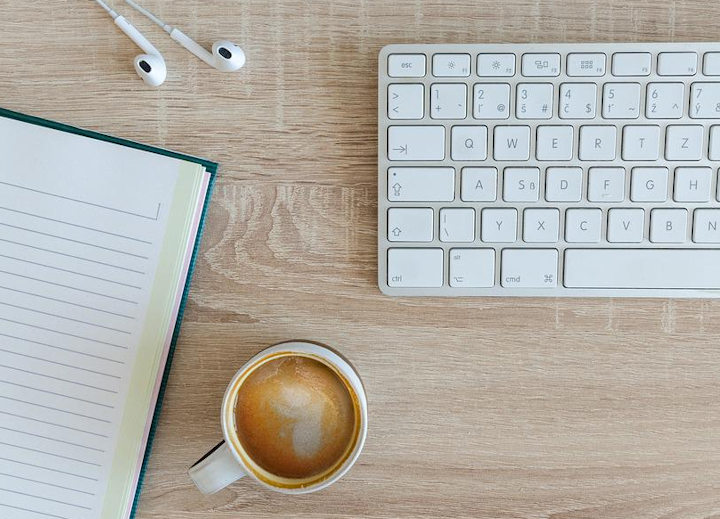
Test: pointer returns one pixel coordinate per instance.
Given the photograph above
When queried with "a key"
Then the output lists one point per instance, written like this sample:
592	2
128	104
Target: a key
416	142
583	225
414	268
410	224
421	184
714	151
491	101
664	100
521	184
468	143
649	184
457	224
683	142
406	65
606	184
586	64
534	101
677	64
706	226
498	225
479	185
705	100
578	100
496	65
641	142
541	225
540	65
448	101
711	64
621	100
554	143
668	226
631	64
451	65
692	184
511	143
597	142
472	268
642	268
529	268
625	225
405	101
563	184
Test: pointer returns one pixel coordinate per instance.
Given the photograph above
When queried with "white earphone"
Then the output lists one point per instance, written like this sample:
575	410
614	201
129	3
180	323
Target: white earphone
225	56
149	66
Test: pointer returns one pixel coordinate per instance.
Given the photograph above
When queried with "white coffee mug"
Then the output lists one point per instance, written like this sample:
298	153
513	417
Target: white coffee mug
228	461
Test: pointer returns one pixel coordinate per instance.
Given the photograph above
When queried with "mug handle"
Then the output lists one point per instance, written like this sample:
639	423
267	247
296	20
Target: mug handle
216	470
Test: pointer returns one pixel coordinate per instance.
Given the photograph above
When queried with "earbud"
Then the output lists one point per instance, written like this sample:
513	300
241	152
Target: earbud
225	56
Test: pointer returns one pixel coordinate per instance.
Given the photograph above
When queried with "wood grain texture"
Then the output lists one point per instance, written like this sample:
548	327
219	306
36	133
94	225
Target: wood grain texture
484	408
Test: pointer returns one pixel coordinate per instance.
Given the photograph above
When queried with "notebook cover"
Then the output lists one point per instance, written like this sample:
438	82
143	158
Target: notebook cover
210	167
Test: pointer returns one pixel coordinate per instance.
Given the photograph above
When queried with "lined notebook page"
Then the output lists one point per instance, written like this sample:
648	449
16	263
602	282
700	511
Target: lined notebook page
82	226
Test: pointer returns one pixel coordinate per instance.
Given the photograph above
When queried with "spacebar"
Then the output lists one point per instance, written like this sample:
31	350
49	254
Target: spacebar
642	268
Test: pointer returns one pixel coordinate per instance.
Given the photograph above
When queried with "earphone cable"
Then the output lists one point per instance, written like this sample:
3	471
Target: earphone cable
110	11
150	15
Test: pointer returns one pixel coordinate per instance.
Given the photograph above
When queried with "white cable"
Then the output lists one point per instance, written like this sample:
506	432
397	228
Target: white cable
167	28
102	4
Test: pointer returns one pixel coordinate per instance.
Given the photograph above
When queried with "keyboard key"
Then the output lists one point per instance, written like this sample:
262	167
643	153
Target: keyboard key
668	226
563	184
711	64
491	101
541	65
496	65
714	151
649	184
706	226
410	224
472	268
448	101
578	100
606	184
541	225
677	64
406	101
511	143
641	142
583	225
626	225
664	100
705	100
642	268
529	268
457	224
498	225
683	142
631	64
479	184
621	100
554	143
415	268
406	65
421	184
521	184
692	184
451	65
416	142
597	142
468	143
534	101
586	64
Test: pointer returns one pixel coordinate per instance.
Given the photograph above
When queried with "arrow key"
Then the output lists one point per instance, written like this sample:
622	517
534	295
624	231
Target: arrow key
405	101
410	224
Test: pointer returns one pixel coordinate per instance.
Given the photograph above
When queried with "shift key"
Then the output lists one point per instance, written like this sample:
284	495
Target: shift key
416	142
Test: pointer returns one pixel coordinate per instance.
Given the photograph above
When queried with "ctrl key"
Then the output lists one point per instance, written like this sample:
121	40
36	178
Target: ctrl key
529	268
415	268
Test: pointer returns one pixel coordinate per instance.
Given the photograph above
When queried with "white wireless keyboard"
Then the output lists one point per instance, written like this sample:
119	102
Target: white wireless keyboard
549	170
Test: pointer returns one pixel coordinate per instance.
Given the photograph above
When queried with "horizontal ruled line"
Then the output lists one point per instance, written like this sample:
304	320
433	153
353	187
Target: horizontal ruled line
65	302
52	439
45	499
59	363
68	286
46	483
69	458
54	424
63	333
56	378
50	314
47	406
72	256
77	225
56	394
83	201
61	348
99	278
34	511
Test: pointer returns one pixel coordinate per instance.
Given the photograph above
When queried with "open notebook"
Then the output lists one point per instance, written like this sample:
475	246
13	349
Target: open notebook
97	240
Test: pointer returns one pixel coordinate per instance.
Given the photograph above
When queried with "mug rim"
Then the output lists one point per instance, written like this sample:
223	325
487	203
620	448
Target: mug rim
337	361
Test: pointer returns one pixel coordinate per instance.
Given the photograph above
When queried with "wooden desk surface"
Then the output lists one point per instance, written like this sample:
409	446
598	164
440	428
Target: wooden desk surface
491	408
